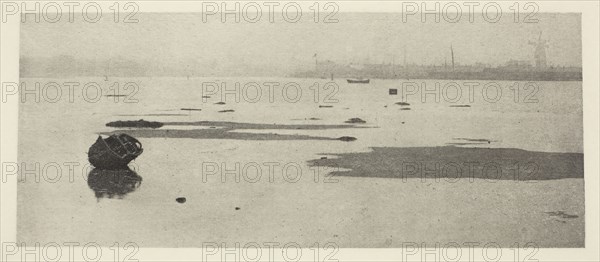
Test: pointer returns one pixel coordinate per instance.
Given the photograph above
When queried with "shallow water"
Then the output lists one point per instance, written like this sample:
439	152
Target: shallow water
305	206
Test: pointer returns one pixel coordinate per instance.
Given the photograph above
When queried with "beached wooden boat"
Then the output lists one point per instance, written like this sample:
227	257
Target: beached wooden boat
114	152
358	81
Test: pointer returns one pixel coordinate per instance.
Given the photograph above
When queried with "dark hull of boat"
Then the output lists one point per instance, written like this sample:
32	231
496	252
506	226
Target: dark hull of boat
102	156
357	81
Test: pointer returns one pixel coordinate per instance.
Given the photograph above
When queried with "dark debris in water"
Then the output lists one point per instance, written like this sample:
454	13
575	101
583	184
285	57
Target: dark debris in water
480	140
561	214
465	144
312	118
136	124
355	121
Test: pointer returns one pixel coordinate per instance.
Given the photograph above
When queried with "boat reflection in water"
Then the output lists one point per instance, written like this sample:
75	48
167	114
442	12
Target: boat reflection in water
113	183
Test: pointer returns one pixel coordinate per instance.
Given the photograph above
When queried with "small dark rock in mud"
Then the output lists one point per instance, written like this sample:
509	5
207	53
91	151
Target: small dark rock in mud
191	109
219	103
405	108
460	106
320	106
226	111
355	121
137	124
403	104
180	200
347	138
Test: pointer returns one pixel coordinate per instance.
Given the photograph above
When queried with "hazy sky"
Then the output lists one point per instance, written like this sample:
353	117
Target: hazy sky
173	39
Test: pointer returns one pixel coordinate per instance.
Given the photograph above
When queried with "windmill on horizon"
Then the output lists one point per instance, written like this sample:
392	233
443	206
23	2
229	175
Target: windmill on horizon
540	51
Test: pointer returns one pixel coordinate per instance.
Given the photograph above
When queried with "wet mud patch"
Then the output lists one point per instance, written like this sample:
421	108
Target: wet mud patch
135	124
156	115
455	163
224	131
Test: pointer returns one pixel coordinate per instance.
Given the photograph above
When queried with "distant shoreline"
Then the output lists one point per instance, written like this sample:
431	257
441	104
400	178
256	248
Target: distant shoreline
314	78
